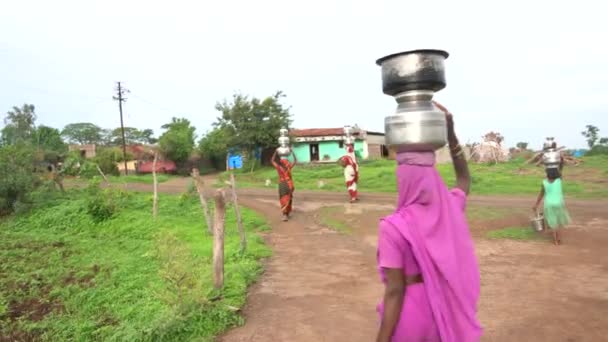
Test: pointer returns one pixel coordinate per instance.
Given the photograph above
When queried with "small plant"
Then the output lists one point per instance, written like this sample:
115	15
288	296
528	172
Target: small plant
103	204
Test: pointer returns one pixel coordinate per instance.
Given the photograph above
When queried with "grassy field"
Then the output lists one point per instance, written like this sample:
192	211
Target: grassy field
64	277
146	178
587	180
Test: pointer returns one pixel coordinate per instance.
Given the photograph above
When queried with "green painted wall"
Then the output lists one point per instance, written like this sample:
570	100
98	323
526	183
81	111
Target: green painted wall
329	148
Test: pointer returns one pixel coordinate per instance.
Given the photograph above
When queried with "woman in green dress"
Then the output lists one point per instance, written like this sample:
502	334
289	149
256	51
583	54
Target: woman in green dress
555	212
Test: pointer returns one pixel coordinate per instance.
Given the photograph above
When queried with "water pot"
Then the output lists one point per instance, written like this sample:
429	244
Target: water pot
551	158
284	149
412	78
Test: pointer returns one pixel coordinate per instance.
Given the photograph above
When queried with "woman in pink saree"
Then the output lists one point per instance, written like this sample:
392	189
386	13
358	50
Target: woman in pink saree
426	255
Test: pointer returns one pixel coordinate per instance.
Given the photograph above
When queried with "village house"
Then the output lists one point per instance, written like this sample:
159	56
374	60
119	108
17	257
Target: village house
86	151
318	145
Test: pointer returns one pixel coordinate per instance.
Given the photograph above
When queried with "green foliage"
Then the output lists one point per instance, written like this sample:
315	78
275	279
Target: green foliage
49	140
132	136
214	146
19	125
177	141
82	133
598	150
119	280
591	133
522	145
250	122
103	204
107	158
18	178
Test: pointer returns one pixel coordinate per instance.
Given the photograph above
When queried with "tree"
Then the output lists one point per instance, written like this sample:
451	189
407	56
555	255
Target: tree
177	141
82	133
132	136
49	139
19	124
214	146
592	135
522	145
18	177
252	123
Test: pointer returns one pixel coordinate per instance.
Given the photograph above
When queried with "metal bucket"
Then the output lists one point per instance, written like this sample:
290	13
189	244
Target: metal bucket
538	223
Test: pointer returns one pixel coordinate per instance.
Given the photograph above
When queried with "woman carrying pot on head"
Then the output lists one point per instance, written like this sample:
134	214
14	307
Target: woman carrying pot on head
426	256
555	212
351	172
286	187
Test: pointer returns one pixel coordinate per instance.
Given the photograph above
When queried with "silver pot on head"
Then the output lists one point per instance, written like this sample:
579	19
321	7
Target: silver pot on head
412	78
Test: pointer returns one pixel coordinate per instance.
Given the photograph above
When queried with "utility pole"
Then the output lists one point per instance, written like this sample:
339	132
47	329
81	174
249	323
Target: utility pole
120	98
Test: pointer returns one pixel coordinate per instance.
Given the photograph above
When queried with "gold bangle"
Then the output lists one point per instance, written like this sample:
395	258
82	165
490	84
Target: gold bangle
456	148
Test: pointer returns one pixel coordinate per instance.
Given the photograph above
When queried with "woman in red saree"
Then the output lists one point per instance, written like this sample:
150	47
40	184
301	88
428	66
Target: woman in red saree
286	187
351	172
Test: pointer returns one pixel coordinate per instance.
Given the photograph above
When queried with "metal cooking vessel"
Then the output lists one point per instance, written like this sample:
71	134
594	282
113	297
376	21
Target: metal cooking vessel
284	141
417	125
413	70
551	159
283	151
348	130
538	223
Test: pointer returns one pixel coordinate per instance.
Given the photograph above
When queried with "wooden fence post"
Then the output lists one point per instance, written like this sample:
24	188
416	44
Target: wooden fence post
200	188
155	180
237	211
218	240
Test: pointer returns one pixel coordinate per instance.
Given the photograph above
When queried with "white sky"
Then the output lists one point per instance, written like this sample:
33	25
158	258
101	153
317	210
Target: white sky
528	69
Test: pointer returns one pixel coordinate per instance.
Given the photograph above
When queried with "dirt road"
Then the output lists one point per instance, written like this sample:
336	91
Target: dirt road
321	285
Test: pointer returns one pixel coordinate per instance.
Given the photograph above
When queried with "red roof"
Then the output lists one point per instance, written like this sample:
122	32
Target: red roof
318	132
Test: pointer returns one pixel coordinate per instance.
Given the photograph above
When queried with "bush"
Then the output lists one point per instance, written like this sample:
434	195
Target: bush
18	179
103	204
107	158
598	150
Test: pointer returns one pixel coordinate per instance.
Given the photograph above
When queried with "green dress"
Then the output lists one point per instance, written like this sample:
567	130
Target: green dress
555	213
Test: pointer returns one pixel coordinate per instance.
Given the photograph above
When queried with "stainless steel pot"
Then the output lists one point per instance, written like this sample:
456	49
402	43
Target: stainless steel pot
551	158
284	151
417	125
413	70
538	223
413	77
348	131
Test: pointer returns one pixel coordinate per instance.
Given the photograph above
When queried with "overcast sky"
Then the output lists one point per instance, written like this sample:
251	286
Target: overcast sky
528	69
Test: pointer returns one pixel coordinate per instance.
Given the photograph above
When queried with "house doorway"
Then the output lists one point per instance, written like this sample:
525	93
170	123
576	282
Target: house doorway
314	152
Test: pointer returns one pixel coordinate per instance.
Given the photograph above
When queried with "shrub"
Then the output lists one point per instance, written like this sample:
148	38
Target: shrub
18	178
102	204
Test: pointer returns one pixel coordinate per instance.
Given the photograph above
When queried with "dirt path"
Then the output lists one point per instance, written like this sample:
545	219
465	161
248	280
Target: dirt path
318	286
322	286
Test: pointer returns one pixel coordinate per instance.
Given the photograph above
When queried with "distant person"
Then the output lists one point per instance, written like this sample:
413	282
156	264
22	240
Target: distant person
555	212
351	172
426	256
286	187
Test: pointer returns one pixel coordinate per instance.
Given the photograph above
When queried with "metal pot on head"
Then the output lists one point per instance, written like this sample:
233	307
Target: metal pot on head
283	150
412	78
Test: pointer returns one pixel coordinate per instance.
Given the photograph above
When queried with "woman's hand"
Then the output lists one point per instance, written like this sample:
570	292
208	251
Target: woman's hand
449	119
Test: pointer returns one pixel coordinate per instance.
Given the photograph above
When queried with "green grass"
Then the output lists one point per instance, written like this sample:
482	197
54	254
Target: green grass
513	233
512	178
328	219
146	178
65	278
